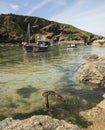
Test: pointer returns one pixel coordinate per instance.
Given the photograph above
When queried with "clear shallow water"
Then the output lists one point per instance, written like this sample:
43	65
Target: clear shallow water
24	77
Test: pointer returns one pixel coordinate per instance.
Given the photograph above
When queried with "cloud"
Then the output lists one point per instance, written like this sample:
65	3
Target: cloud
8	7
38	6
85	15
60	3
14	6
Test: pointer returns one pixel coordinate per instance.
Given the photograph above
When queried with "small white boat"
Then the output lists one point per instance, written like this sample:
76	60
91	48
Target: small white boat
72	46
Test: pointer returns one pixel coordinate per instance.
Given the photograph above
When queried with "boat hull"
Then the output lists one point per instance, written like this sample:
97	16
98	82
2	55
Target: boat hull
34	49
72	47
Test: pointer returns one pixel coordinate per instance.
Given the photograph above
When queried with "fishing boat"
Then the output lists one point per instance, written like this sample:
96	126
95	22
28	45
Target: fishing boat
38	46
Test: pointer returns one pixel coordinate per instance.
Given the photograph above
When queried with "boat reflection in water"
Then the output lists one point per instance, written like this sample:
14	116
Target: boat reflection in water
25	58
35	57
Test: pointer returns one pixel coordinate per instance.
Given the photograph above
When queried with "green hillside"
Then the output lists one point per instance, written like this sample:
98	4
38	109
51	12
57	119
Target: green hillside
13	29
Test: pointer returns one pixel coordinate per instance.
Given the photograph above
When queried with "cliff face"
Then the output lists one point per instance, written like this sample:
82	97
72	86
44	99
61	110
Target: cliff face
13	29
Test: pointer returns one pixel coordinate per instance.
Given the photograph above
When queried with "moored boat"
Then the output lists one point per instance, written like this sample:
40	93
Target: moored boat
39	46
72	46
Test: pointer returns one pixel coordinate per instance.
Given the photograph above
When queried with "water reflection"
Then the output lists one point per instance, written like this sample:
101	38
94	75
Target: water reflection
25	58
41	57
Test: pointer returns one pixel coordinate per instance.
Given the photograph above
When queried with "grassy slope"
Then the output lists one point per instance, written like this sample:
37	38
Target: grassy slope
14	27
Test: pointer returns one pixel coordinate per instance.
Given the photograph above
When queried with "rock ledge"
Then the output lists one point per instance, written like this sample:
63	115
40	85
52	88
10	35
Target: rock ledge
39	122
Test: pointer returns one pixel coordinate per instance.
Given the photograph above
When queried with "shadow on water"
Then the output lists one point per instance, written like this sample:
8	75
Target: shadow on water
26	91
22	116
2	117
68	111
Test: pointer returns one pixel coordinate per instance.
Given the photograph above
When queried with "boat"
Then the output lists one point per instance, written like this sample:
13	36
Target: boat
38	46
72	46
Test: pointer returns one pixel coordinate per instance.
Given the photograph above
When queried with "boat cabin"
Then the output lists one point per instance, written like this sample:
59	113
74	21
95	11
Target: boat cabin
43	43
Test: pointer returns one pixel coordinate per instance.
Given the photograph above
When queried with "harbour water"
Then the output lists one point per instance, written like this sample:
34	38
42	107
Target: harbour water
24	77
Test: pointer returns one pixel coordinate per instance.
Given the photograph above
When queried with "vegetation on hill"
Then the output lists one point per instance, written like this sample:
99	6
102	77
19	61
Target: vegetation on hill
13	29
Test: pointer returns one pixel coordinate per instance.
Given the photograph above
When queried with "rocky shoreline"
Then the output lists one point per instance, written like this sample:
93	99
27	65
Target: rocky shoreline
94	72
96	116
37	123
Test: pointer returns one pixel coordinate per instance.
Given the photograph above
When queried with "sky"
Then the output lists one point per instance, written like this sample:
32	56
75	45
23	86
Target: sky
88	15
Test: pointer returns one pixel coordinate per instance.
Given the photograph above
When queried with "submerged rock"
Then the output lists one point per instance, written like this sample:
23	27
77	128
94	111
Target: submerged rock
91	57
38	123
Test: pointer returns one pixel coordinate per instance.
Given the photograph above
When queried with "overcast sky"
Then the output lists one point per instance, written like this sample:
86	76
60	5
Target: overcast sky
88	15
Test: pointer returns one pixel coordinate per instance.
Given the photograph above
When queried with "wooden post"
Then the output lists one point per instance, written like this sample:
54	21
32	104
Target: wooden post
47	102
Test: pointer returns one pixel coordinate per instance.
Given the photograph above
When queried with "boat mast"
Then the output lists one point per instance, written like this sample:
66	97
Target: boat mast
28	33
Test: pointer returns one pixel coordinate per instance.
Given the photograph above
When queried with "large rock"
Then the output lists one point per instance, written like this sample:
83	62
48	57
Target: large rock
37	123
96	116
100	43
93	72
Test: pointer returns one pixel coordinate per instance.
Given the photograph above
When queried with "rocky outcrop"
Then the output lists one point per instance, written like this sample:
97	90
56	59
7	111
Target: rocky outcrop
96	116
93	72
100	43
37	123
